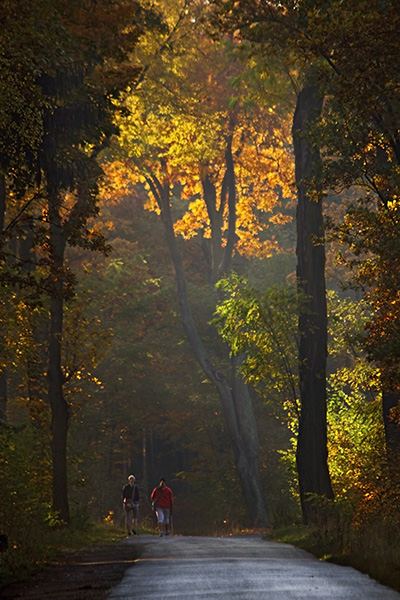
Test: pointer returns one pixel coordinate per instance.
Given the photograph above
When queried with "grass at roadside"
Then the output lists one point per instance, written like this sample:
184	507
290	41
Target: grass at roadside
374	550
50	546
299	536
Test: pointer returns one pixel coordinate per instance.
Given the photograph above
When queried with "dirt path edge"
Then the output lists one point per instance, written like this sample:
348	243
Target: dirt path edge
86	574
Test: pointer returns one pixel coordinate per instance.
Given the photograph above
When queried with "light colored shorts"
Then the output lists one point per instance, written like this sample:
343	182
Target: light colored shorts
163	514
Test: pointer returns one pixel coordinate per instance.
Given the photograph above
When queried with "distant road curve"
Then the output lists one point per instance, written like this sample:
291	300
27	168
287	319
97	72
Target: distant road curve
238	568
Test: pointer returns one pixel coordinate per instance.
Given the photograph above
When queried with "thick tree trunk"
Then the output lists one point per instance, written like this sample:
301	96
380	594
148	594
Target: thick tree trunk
236	402
312	453
3	376
3	398
390	396
59	406
2	202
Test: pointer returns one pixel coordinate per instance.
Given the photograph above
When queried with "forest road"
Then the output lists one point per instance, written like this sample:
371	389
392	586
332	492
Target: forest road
243	567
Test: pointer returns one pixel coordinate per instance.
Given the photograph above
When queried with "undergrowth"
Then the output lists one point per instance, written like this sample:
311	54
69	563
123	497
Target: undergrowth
48	546
372	547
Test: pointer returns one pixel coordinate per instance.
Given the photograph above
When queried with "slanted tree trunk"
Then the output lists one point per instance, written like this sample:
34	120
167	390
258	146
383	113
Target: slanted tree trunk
312	452
247	455
59	406
236	401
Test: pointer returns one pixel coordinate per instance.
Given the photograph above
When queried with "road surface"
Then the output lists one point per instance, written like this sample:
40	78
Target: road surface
238	568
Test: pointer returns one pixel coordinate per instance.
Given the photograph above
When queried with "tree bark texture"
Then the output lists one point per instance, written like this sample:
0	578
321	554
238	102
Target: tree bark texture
3	375
312	453
390	395
59	406
236	402
2	202
3	398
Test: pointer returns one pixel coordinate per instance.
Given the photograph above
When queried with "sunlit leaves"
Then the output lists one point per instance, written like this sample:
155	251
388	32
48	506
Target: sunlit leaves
372	235
355	443
178	124
264	328
16	316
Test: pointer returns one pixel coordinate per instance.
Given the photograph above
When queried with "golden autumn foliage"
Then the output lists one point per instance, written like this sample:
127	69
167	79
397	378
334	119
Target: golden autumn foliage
196	98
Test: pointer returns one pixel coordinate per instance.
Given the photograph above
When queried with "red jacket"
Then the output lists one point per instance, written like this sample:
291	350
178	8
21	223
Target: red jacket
163	497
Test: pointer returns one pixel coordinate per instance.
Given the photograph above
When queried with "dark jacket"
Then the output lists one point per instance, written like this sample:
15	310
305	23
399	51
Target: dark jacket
131	492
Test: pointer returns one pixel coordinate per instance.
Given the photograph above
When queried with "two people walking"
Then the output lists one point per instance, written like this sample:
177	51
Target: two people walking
162	504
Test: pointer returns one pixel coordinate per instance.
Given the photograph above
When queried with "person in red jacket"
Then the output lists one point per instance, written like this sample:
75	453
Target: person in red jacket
163	503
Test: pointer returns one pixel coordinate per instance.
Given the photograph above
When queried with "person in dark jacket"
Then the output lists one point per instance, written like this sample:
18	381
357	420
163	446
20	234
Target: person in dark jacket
130	497
163	501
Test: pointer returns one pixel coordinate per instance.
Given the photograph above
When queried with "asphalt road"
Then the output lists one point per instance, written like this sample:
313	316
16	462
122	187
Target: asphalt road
238	568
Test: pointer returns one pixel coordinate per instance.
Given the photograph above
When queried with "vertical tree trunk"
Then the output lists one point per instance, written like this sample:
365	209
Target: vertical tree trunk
2	202
59	406
312	453
231	185
3	398
3	376
219	258
213	246
390	395
236	401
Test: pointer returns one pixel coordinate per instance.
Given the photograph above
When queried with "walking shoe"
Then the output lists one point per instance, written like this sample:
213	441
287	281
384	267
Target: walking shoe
161	534
134	531
129	533
167	533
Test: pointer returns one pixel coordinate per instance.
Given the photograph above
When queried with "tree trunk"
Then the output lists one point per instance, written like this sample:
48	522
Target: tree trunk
213	246
247	458
59	406
390	396
312	453
3	398
3	376
2	202
231	186
236	402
